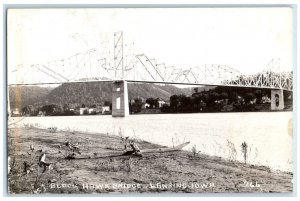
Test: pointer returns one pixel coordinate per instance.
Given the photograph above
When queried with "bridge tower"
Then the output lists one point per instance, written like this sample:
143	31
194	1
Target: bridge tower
277	101
120	106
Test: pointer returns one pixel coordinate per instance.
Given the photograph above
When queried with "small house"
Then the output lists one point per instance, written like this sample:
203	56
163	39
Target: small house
83	110
161	103
105	109
16	112
92	110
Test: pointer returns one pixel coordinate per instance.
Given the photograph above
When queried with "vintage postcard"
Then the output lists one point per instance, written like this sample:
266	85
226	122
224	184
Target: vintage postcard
150	100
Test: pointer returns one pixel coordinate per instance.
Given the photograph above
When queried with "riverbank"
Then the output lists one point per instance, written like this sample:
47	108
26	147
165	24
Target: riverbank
180	171
253	108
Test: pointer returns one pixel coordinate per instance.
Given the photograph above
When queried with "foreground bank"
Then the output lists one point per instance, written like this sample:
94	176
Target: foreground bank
179	171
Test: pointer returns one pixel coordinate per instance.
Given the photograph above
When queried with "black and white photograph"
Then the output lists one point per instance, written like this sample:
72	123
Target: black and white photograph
161	100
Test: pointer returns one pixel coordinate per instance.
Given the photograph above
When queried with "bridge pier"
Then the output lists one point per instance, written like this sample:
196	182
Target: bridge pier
120	106
277	101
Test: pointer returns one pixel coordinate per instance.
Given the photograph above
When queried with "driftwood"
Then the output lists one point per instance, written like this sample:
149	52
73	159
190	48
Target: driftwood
136	151
168	149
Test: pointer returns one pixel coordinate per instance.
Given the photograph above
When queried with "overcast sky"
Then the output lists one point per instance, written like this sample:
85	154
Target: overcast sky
243	38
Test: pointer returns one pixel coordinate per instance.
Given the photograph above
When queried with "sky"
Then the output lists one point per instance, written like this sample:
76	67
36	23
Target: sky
245	39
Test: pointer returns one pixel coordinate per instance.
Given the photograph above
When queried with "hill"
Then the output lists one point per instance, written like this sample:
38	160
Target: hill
21	96
89	93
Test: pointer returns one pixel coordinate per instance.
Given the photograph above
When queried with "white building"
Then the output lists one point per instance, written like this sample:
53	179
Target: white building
16	111
92	110
161	103
145	105
83	110
105	109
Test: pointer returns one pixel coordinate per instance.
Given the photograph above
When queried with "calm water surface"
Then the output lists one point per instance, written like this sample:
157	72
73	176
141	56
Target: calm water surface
219	134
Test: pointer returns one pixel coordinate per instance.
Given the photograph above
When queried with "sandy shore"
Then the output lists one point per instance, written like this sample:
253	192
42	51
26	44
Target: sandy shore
96	171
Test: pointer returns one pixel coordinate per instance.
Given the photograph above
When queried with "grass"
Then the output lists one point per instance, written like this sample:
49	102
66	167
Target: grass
114	165
232	151
176	140
244	147
195	152
230	146
20	171
173	167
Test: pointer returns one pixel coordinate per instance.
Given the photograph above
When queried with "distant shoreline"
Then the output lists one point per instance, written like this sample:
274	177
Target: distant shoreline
161	113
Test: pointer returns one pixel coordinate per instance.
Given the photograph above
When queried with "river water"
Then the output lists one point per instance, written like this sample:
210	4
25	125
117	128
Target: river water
267	134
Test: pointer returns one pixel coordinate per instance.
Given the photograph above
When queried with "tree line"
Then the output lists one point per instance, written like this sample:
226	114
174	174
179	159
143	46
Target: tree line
222	99
136	105
218	99
58	109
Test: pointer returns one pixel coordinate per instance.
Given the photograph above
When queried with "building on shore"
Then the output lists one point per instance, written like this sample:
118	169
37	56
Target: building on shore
83	110
161	103
92	111
15	112
105	109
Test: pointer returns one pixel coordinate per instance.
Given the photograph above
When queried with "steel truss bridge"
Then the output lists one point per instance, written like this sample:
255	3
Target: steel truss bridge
117	61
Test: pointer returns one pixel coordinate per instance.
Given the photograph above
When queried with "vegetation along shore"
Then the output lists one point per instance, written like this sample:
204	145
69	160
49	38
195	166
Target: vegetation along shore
53	161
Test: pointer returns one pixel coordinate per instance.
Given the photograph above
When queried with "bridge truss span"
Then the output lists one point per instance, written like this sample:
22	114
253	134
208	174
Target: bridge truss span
119	64
117	61
149	70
